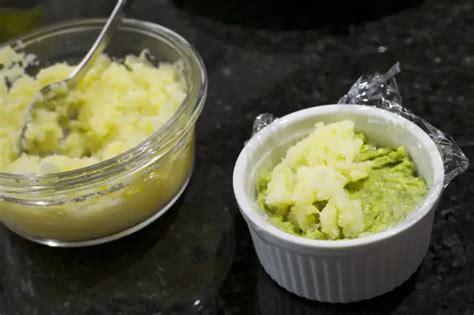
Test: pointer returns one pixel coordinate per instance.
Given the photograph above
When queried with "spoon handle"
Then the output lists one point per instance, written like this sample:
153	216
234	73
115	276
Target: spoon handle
99	45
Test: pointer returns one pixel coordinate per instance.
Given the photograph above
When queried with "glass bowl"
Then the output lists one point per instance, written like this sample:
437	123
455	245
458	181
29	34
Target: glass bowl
121	195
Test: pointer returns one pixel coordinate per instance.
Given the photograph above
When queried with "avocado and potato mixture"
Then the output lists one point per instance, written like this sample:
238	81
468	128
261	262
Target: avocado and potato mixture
334	184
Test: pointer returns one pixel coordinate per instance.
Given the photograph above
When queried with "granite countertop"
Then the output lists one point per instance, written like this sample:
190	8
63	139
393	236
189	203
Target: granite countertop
266	56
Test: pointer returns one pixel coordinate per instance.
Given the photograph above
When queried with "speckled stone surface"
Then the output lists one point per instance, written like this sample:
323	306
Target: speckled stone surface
267	56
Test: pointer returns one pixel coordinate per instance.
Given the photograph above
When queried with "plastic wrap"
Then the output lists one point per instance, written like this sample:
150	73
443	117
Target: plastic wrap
381	91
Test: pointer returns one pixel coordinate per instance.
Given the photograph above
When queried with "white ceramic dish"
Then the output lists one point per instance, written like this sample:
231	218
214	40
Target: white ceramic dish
345	270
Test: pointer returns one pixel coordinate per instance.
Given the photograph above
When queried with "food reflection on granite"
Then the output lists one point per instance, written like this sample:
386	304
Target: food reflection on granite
16	20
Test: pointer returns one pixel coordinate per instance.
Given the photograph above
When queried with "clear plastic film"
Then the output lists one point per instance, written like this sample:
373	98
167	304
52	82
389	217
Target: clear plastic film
381	91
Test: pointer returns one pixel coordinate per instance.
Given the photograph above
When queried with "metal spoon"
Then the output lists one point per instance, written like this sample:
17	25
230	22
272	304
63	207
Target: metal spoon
58	89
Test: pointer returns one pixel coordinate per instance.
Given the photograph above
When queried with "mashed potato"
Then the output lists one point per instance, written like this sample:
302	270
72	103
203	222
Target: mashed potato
115	107
333	185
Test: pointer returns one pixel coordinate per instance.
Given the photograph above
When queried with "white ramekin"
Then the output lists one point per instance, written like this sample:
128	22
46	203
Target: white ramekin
345	270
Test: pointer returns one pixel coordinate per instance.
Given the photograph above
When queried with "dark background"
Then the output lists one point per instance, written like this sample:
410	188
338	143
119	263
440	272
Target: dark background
262	56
